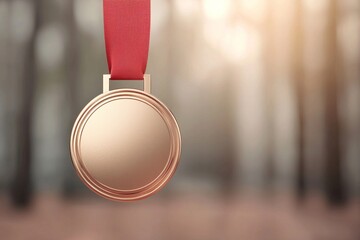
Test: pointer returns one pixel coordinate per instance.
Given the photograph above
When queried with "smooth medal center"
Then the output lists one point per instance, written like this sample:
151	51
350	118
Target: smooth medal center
125	144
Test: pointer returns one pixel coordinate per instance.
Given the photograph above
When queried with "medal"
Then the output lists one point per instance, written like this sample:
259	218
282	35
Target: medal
125	144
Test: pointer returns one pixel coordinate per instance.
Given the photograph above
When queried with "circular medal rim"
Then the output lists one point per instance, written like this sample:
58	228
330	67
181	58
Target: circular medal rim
168	170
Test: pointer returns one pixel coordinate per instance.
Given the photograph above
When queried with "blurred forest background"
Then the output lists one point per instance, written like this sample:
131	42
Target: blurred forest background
266	93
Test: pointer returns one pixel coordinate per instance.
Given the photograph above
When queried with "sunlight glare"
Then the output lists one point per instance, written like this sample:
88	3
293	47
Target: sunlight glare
186	8
237	43
50	46
254	8
315	6
217	9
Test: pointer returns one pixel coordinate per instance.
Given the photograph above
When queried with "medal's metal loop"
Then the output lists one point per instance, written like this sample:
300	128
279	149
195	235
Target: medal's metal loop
106	83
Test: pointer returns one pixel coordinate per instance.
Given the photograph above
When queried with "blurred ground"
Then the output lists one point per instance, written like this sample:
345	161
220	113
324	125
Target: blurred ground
250	217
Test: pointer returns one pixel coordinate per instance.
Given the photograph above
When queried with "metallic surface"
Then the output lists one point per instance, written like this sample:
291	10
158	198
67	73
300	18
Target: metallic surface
125	145
147	83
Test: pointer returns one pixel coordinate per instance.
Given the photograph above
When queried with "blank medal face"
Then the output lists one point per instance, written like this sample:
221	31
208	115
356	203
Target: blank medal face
125	145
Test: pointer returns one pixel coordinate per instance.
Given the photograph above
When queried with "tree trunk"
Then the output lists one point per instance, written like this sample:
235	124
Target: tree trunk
22	187
334	180
5	75
228	163
299	79
269	98
71	86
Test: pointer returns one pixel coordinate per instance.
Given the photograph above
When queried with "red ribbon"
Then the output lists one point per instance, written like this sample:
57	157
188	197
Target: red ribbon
127	36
